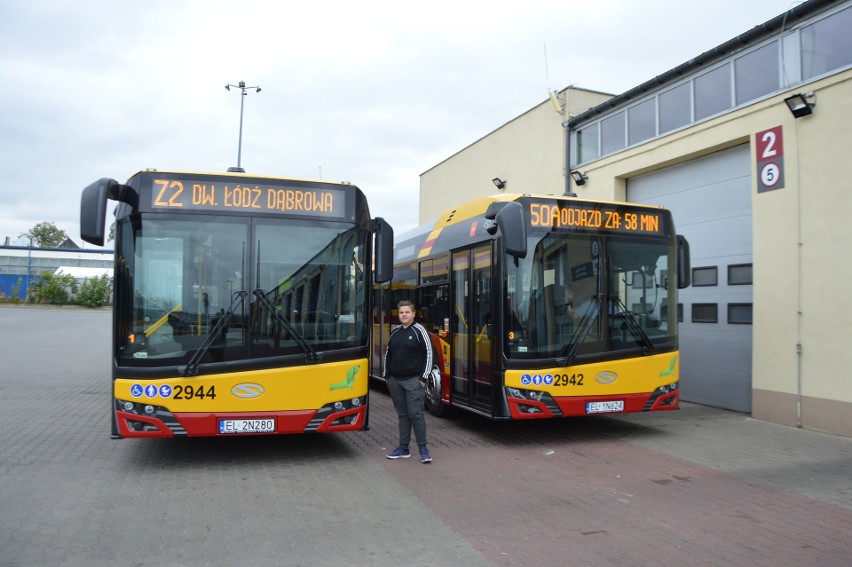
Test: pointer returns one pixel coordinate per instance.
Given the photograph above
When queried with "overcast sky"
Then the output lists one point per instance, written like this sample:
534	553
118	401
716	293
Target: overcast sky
370	92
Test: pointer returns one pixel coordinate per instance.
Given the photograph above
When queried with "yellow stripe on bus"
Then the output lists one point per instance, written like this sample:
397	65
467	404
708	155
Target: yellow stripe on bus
272	389
430	241
615	377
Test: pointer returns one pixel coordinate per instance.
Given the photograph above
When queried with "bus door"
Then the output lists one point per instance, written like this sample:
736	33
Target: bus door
470	327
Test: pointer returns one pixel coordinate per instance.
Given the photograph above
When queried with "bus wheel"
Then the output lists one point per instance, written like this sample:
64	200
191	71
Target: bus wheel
434	404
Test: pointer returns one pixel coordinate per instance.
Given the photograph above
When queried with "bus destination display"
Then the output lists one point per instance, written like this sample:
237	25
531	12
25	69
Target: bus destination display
600	217
231	196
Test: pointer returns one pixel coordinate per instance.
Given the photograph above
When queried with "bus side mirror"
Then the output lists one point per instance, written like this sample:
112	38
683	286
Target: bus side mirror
383	250
684	270
93	210
510	220
93	207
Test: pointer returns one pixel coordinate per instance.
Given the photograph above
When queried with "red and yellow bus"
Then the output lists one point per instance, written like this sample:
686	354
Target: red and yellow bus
544	306
241	302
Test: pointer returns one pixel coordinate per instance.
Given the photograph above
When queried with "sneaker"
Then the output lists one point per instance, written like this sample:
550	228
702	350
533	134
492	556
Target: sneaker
399	453
425	457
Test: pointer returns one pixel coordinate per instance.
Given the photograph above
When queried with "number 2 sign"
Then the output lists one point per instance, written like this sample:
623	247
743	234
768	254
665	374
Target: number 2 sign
770	159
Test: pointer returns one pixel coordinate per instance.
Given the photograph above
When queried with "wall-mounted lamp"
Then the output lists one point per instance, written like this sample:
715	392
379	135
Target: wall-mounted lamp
579	177
799	105
501	184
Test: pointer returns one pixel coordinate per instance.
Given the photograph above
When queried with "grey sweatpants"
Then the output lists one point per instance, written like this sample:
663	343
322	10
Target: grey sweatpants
408	398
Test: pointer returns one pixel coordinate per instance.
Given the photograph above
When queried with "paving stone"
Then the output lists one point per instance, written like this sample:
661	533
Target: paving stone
699	486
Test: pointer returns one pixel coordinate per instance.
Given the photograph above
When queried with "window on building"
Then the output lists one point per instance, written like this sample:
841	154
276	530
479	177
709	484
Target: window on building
612	133
739	313
705	313
713	92
703	277
641	122
674	108
587	143
819	48
827	44
756	73
740	274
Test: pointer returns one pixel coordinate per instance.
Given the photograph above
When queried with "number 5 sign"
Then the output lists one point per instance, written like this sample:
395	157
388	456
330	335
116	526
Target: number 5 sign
770	159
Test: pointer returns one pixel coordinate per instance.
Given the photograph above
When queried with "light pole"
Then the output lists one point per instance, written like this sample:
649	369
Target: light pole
243	88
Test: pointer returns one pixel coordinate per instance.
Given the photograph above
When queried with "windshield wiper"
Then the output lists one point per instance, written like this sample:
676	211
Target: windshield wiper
569	352
633	325
191	368
311	355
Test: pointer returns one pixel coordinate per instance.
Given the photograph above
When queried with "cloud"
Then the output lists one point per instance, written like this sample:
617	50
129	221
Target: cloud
374	93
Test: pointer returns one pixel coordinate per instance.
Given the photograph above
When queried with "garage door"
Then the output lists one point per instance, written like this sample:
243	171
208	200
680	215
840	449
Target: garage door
710	199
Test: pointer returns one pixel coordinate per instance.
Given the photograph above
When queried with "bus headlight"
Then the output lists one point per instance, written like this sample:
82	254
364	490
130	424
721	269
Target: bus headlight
532	402
534	395
338	406
128	406
149	409
356	402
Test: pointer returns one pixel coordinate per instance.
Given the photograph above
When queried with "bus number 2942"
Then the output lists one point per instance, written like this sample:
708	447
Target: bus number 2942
568	380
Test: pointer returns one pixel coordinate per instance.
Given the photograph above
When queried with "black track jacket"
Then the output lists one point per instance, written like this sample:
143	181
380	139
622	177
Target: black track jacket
409	353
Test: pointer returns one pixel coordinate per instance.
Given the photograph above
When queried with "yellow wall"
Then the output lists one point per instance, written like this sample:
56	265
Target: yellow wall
528	153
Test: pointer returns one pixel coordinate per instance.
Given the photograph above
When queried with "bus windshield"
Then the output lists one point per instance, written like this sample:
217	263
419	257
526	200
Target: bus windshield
589	295
226	289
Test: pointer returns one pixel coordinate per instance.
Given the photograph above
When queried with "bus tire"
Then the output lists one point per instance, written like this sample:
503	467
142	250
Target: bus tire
439	409
434	404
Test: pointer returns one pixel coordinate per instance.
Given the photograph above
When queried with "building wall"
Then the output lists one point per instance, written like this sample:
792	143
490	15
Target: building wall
819	146
15	261
528	153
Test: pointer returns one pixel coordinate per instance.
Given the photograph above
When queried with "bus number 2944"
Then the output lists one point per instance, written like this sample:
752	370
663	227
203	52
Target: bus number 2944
188	392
